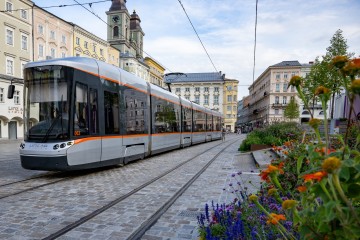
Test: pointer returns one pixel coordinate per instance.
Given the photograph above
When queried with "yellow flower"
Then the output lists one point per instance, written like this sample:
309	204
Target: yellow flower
272	191
339	61
295	81
331	164
322	90
314	123
355	86
288	204
352	67
253	198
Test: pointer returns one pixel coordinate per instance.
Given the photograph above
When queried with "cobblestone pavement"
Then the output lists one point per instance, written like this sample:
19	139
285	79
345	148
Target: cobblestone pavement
37	214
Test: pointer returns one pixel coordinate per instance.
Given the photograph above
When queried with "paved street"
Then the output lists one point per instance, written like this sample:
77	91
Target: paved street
38	213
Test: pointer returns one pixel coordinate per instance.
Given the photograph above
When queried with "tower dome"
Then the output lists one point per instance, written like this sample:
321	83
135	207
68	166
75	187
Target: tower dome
117	5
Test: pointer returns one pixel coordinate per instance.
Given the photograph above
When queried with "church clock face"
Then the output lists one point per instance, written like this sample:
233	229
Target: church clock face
115	19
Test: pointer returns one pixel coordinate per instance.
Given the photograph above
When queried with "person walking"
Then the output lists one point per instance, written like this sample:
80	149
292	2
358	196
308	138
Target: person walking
223	132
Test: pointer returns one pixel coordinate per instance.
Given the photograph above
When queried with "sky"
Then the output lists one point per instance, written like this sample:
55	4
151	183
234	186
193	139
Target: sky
286	30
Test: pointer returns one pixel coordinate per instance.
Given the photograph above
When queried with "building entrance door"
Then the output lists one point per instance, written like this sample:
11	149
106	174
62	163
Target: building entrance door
12	130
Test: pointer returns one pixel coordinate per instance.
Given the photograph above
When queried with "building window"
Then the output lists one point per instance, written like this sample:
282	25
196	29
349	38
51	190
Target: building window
101	52
23	14
77	41
63	39
41	50
10	37
292	88
52	52
276	111
277	101
234	98
228	108
216	100
197	89
285	75
206	100
206	89
22	69
24	42
197	99
40	29
52	34
1	95
277	87
116	31
10	66
177	90
17	97
9	7
216	89
187	97
277	76
285	87
229	98
63	54
86	44
234	108
292	98
94	48
229	88
187	89
284	100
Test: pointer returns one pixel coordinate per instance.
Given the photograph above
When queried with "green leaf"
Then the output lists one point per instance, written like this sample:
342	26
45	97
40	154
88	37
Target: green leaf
354	190
344	173
299	164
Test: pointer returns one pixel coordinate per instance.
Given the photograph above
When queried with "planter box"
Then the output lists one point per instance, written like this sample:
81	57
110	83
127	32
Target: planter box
255	147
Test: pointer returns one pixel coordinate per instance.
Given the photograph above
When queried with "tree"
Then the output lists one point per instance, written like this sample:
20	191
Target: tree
292	110
324	74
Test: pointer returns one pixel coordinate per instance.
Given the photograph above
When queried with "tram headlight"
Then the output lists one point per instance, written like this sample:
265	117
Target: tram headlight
56	146
62	145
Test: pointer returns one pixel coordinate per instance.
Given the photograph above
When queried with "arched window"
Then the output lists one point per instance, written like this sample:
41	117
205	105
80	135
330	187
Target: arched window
305	112
116	31
321	113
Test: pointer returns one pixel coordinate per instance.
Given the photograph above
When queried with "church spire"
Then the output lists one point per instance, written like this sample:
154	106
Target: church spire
118	5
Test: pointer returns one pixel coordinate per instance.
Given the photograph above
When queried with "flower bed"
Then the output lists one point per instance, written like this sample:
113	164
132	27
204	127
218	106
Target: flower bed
311	192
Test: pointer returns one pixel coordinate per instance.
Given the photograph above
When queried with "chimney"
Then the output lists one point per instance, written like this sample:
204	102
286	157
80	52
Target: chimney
311	62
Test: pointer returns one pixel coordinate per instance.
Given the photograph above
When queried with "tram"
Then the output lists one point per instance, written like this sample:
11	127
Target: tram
80	113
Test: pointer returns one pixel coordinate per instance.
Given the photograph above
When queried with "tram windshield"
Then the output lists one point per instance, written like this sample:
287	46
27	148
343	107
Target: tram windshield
47	103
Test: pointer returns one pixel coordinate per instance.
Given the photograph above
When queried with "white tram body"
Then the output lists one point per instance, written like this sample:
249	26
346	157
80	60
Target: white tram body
82	113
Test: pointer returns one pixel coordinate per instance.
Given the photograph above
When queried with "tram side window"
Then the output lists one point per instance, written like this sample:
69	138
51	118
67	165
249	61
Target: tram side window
135	112
187	120
166	116
81	116
94	122
111	112
199	121
209	122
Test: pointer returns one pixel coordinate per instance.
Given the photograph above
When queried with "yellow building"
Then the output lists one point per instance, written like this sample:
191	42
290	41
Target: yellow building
230	103
89	45
156	72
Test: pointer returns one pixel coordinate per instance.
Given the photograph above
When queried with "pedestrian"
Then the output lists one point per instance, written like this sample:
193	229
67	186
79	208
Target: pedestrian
223	132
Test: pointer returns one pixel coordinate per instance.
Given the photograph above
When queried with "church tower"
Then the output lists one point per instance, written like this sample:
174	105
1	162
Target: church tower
137	35
118	30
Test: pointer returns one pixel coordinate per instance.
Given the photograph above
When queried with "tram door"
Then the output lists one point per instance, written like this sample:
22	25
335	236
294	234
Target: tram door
12	130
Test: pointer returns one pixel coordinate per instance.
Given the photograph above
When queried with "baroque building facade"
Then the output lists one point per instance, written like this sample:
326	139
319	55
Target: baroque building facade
211	90
16	50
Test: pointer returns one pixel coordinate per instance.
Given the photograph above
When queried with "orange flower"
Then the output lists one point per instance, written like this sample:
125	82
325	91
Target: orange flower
271	169
323	150
322	90
301	189
355	86
287	144
275	218
339	61
315	176
352	67
331	164
285	152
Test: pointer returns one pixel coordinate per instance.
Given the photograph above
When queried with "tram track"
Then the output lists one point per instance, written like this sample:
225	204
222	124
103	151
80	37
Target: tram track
155	216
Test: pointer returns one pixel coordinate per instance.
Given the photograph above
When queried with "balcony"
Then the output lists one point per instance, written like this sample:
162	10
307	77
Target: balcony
279	105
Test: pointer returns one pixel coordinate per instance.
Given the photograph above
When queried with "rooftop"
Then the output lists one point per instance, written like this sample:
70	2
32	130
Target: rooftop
194	77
